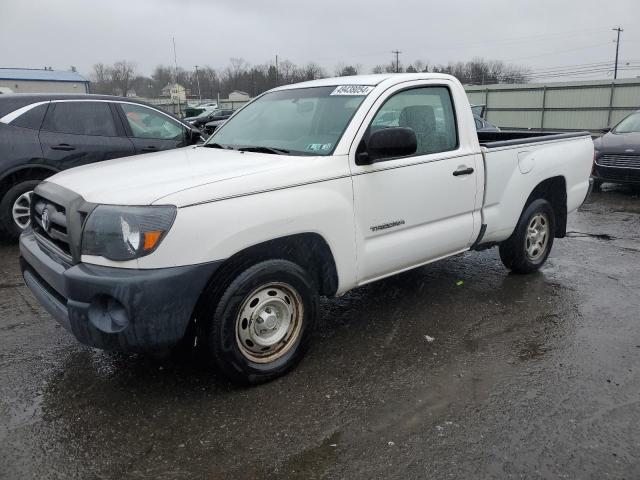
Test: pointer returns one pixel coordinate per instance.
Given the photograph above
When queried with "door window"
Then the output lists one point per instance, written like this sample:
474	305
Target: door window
31	119
80	118
428	111
147	123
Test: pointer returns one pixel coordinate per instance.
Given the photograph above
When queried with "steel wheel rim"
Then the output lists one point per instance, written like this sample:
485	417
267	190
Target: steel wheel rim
269	322
537	237
21	210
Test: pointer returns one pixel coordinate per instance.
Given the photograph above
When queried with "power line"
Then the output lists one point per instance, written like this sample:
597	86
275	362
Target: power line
586	68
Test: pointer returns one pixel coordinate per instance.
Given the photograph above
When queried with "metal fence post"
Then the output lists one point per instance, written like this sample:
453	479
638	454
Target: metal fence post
613	87
544	104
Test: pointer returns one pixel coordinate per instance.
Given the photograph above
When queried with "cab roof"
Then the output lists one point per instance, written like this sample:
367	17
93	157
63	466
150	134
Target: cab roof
371	80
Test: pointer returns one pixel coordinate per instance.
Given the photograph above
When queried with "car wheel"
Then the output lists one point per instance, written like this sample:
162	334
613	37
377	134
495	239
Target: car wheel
530	244
14	209
262	324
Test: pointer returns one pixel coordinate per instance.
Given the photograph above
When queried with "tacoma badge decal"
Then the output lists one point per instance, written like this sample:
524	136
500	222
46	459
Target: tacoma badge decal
384	226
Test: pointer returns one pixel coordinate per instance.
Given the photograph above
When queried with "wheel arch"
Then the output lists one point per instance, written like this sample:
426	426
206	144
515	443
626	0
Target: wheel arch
309	250
296	248
23	173
554	190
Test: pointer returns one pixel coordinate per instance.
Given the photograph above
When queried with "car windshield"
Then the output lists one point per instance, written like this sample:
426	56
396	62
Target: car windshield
302	121
631	124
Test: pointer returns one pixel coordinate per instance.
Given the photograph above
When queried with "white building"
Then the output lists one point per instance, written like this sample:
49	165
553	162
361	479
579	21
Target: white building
33	80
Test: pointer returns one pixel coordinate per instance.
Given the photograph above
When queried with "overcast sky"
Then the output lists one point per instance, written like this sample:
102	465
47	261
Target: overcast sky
540	35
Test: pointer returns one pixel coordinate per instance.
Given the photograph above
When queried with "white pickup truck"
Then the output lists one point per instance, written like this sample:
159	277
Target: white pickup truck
311	189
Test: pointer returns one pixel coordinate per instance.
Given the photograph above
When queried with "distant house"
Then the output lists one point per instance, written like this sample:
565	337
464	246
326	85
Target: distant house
33	80
175	91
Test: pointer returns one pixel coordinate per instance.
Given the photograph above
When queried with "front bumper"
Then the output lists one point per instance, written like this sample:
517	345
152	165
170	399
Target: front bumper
616	174
152	308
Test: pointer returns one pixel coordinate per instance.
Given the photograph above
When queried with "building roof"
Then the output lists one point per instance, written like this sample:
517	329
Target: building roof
41	75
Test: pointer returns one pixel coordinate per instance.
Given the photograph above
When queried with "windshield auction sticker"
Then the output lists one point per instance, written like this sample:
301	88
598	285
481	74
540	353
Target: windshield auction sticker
352	90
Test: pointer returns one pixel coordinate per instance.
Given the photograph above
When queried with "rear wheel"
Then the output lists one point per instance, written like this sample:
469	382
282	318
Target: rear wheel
262	324
14	209
530	244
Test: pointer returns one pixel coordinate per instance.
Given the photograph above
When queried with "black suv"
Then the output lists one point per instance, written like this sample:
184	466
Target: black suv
41	135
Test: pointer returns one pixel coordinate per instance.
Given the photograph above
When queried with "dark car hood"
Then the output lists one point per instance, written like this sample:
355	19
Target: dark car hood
627	143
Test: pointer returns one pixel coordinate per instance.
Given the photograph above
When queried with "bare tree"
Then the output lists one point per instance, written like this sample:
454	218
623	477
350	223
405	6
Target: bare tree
121	74
311	71
211	81
101	79
481	72
343	70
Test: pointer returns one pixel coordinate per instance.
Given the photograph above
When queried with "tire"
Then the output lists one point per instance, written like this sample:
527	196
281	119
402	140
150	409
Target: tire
271	300
525	251
15	196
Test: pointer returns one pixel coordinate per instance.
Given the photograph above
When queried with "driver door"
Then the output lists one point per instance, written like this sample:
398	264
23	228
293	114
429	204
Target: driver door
414	209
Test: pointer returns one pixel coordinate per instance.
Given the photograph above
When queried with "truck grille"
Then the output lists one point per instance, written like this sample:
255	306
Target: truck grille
49	223
619	161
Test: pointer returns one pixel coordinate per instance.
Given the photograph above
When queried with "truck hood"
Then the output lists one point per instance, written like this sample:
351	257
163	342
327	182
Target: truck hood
185	176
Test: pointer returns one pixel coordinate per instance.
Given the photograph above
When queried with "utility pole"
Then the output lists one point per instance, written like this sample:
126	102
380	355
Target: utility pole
198	80
397	54
276	70
615	71
175	62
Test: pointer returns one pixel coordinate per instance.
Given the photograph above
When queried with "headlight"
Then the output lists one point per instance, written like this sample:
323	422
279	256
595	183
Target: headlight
125	233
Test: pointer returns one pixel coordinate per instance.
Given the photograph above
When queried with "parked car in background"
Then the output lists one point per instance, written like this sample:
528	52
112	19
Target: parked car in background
195	110
195	113
479	110
210	127
617	157
41	135
217	121
484	126
214	116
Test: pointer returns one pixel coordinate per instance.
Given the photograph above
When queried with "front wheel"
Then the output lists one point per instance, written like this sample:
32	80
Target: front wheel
262	323
14	209
530	244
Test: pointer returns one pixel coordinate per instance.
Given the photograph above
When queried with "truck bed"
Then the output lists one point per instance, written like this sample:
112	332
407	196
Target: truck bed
514	137
515	162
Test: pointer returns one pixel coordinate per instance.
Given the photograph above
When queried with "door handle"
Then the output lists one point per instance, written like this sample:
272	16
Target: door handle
150	149
463	171
63	146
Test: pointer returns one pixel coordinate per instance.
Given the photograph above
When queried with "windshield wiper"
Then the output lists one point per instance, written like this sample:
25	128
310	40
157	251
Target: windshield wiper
216	145
262	149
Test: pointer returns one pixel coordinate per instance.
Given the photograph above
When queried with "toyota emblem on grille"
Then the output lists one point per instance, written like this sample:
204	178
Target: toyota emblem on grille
45	220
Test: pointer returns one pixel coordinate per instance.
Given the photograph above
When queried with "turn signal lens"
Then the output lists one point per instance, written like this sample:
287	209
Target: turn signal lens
151	239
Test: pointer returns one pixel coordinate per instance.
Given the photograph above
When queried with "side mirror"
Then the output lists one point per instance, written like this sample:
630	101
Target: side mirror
605	130
193	136
388	143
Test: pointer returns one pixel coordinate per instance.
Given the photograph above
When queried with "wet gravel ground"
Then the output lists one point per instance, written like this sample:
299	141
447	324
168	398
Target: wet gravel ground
528	377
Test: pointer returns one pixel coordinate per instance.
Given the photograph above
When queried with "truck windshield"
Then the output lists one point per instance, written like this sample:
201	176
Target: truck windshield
631	124
302	121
